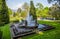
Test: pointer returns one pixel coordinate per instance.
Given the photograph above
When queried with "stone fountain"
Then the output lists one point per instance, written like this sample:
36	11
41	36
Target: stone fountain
27	26
30	22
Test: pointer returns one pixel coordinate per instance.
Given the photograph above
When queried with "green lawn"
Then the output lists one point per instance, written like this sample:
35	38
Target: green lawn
6	32
50	34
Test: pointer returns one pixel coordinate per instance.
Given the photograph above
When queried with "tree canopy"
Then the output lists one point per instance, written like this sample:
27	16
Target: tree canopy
4	15
55	11
58	1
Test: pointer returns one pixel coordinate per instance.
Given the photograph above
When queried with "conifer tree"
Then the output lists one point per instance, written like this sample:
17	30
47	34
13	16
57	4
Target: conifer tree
4	12
33	11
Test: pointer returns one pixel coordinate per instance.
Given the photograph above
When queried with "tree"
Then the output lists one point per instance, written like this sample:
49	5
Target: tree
10	11
58	1
14	14
39	9
0	10
39	6
25	7
33	11
4	12
55	11
23	14
19	10
42	13
45	13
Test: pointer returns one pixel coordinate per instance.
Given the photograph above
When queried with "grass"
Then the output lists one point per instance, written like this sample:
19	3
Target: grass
50	34
6	32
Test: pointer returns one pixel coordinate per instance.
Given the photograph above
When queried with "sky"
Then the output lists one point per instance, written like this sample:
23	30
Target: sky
15	4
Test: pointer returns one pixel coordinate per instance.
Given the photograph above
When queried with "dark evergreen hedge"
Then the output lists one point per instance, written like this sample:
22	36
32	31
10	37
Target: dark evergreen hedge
1	34
2	23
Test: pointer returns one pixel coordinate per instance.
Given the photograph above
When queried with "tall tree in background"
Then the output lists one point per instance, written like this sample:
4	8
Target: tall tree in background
55	11
23	14
33	11
39	6
25	7
4	12
19	10
39	9
42	12
58	1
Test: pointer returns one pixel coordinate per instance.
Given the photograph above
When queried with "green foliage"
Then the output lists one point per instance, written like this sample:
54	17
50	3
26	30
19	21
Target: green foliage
55	11
39	6
2	23
58	1
45	12
42	12
4	16
25	7
14	14
32	10
0	5
23	14
1	33
10	11
19	10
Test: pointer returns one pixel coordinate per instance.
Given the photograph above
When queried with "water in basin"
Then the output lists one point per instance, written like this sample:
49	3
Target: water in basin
41	26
